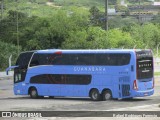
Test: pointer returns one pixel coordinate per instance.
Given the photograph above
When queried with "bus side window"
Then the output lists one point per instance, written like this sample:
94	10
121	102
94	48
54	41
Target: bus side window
34	61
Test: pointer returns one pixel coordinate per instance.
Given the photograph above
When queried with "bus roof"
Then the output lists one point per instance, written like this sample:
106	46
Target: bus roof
88	50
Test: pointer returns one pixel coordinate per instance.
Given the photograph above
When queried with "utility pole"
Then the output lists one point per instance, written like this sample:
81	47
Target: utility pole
139	11
17	26
106	15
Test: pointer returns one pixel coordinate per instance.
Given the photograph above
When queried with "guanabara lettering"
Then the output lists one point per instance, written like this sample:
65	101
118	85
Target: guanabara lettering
90	69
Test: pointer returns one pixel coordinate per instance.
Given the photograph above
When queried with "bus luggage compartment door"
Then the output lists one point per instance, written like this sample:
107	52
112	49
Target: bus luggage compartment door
124	87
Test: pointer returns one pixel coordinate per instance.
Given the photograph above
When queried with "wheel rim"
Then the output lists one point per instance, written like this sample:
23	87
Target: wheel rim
107	96
94	95
33	93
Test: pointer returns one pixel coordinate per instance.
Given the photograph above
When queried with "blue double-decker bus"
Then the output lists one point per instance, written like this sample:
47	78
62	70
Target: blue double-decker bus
98	74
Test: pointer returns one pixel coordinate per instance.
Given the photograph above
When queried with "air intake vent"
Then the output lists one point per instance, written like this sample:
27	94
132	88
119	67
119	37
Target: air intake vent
125	90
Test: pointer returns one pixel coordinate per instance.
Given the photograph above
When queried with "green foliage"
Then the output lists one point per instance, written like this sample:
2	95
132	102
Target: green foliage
45	33
147	35
96	17
41	33
122	23
73	26
90	38
7	50
120	39
156	19
31	7
121	8
10	26
96	38
79	3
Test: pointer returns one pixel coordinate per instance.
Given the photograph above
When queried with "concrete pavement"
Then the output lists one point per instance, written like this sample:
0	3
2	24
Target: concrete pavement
152	107
3	74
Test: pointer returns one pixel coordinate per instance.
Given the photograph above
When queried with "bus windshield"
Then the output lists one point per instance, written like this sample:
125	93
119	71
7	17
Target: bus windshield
144	64
23	59
22	63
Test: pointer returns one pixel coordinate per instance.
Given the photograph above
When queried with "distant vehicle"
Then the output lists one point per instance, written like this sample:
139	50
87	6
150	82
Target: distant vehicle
99	74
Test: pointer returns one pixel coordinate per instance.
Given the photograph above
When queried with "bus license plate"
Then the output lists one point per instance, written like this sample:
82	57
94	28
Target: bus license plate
145	94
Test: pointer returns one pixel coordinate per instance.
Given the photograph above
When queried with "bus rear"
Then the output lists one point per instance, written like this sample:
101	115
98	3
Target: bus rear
143	85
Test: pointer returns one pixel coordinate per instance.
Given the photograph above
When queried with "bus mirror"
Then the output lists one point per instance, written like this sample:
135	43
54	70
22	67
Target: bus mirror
9	68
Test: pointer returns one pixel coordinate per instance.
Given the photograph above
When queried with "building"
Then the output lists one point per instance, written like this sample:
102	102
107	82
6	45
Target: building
156	3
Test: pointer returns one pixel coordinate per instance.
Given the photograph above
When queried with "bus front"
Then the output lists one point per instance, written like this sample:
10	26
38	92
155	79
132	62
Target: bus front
20	71
143	85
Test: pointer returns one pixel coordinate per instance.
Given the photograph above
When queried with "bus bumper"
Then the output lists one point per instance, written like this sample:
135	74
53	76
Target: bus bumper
19	90
143	93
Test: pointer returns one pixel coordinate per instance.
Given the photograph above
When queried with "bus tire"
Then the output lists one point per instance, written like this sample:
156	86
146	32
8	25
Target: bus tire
130	98
33	93
94	94
40	97
106	95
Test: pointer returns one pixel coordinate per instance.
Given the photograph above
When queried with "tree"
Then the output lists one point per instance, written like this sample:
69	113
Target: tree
122	23
97	38
97	18
51	32
8	26
147	35
119	39
7	50
156	19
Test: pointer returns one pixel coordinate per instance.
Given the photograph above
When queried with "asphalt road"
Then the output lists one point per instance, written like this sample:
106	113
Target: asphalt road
10	102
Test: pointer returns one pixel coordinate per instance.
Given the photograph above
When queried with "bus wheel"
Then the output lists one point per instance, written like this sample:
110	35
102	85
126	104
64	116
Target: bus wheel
33	93
107	95
94	94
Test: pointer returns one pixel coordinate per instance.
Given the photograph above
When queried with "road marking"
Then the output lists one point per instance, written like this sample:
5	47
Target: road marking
134	107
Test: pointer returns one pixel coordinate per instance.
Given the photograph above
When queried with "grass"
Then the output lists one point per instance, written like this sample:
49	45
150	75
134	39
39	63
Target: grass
79	3
45	10
157	73
41	9
32	9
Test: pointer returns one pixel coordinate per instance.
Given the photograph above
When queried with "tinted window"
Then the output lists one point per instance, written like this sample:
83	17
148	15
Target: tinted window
24	59
19	75
40	59
112	59
144	65
61	79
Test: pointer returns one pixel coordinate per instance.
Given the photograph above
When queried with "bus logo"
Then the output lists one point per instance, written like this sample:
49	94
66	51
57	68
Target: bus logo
90	69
